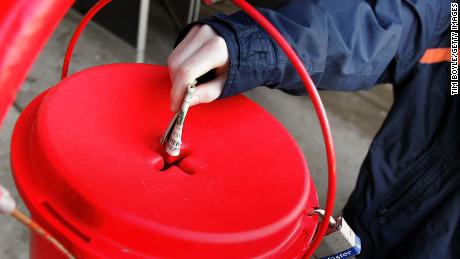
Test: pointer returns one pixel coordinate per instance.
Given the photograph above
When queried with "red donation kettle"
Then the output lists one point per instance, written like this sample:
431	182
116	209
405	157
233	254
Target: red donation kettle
87	161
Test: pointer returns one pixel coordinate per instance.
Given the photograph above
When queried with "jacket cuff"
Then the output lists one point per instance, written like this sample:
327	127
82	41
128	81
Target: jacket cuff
251	52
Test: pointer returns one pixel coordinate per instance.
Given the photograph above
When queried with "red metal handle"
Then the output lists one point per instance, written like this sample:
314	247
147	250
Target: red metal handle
76	35
320	112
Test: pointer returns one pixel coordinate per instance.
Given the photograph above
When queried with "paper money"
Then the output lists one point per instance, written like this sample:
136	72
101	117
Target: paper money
173	132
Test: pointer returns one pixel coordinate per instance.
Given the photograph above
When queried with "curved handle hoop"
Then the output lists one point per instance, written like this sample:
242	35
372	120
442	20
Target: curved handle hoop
320	112
76	35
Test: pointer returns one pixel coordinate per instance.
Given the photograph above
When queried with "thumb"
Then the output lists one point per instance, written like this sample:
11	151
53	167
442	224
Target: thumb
209	91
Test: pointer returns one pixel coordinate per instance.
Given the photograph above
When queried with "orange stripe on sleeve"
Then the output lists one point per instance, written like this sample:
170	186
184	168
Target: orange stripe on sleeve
436	55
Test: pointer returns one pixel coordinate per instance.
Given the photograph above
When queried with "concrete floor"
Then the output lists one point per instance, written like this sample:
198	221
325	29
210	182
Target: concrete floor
355	117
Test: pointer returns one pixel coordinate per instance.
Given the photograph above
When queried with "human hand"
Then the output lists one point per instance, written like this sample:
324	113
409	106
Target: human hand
201	51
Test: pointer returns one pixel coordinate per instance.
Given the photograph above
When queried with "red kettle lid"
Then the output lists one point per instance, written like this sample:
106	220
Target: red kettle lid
88	150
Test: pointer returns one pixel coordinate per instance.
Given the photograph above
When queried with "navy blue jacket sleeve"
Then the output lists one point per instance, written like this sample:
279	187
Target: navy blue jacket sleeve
345	45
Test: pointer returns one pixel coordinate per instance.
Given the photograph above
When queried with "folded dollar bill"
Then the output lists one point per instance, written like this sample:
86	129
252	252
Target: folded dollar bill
173	132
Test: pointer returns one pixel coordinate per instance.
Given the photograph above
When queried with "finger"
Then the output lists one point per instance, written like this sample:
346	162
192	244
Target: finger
193	31
211	55
209	91
172	63
189	46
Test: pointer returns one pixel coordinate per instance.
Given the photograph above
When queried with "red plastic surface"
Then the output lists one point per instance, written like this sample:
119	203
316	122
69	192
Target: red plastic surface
25	25
87	161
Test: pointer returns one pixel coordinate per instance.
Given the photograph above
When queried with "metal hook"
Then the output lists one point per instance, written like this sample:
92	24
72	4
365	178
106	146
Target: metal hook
321	213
